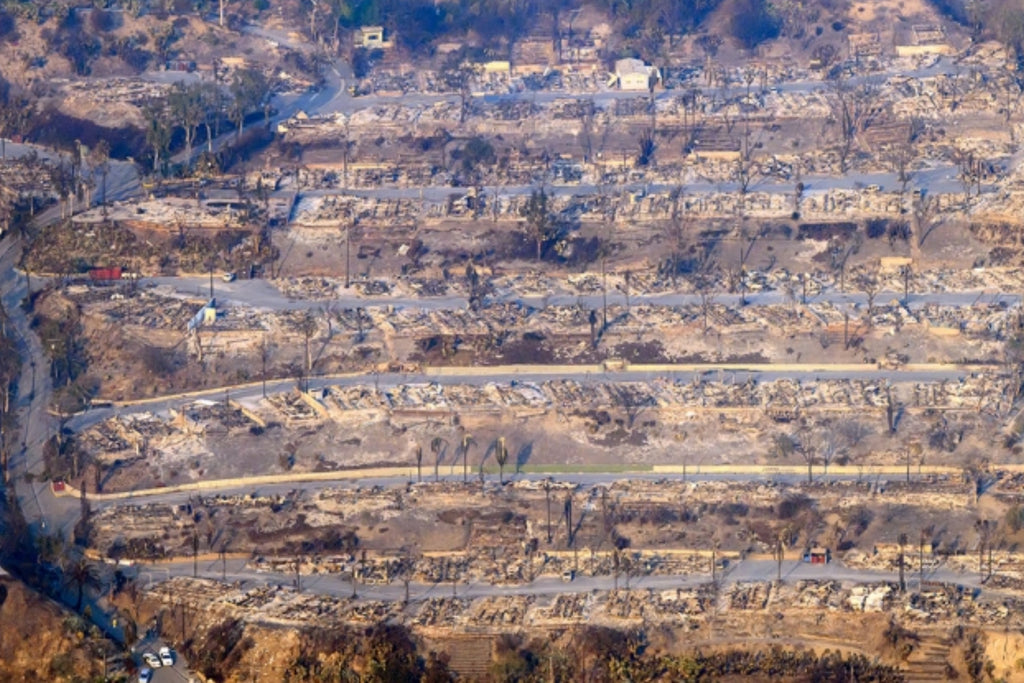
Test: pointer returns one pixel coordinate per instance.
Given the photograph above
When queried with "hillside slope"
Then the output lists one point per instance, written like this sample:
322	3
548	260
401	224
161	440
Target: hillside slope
39	640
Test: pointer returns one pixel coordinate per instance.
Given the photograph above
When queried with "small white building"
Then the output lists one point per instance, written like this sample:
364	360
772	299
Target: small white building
634	74
371	37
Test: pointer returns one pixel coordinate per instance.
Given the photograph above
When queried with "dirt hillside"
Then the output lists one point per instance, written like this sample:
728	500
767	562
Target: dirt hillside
39	640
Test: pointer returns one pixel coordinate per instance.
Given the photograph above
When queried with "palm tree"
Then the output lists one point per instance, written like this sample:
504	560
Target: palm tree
80	574
467	441
501	457
437	447
419	463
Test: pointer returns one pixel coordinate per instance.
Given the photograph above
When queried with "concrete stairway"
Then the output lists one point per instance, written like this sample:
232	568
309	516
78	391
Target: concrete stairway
927	662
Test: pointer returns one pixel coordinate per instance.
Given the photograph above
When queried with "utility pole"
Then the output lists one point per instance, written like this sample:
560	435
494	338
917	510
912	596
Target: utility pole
616	564
568	517
604	296
902	539
263	361
778	558
195	553
348	255
921	559
547	496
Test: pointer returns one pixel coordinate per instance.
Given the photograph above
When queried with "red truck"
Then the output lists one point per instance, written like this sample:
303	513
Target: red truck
105	274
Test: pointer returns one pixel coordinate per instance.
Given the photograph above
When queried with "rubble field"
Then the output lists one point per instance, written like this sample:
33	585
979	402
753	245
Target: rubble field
645	528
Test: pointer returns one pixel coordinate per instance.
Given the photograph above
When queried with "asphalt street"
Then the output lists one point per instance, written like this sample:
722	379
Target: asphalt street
263	295
730	374
340	585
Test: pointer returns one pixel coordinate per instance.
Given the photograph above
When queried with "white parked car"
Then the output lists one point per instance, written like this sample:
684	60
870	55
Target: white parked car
151	660
166	656
146	675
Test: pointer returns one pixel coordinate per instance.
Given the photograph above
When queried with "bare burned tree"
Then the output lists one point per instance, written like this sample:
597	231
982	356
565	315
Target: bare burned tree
869	283
748	169
1011	90
839	253
951	87
748	236
900	157
675	229
459	78
970	172
704	285
926	216
828	444
586	134
853	108
810	456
